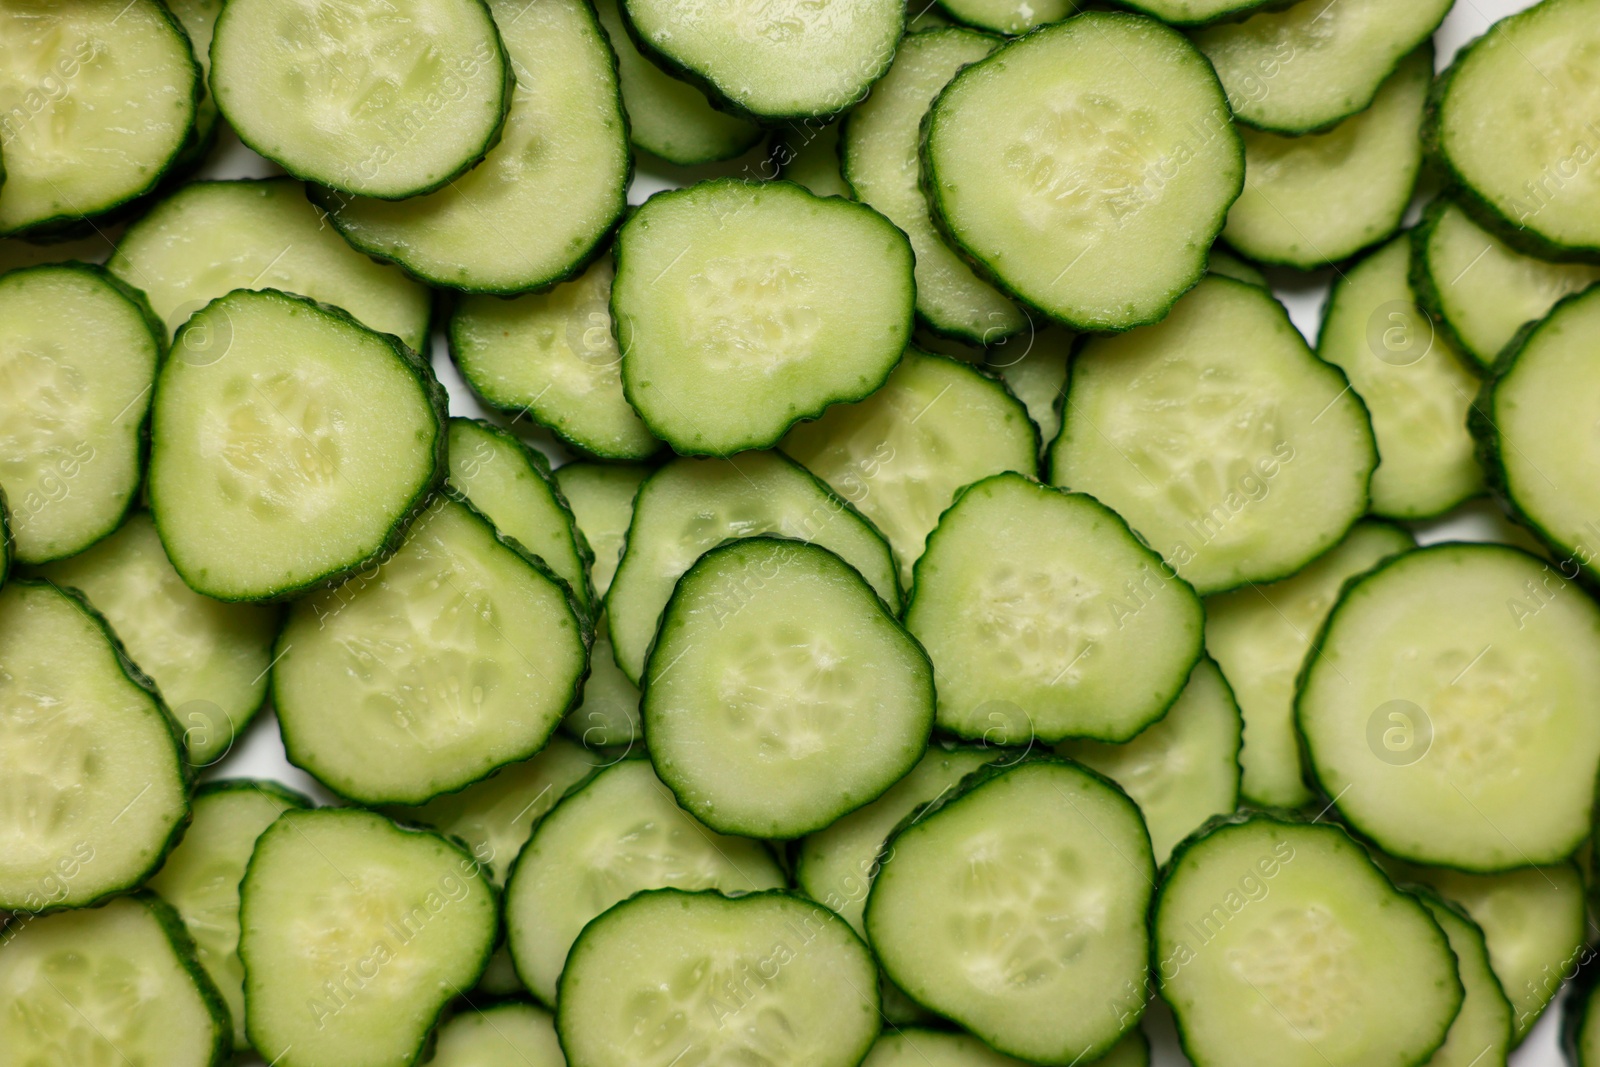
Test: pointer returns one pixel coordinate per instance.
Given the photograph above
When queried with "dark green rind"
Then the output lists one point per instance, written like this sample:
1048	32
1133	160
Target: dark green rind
930	190
1481	422
449	842
1325	798
969	785
719	100
436	398
1428	895
579	616
604	917
679	591
508	82
540	465
764	441
1243	9
1579	1002
67	224
1427	291
1221	824
222	1049
184	771
271	788
1153	558
8	549
1231	263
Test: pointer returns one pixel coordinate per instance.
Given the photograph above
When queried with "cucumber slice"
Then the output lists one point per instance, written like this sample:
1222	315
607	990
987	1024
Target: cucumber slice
901	455
1416	388
1532	422
385	98
288	427
1038	375
96	103
512	485
201	877
1198	12
669	972
691	505
1063	855
1307	67
1581	1029
116	984
1477	288
835	866
1239	455
914	1046
780	692
495	816
1451	730
552	357
1513	126
210	238
457	655
926	15
199	19
209	659
1008	16
1259	636
77	360
1230	266
617	834
1182	770
1341	968
7	547
93	248
609	712
1481	1034
1317	198
511	1033
1115	103
879	150
808	155
96	786
354	935
1534	923
1046	618
742	308
601	497
789	60
543	201
667	117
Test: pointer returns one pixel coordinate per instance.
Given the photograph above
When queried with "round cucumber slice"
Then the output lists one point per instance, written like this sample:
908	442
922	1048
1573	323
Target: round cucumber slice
781	693
1038	376
509	1033
1198	12
601	497
808	155
1482	1033
1008	16
914	1046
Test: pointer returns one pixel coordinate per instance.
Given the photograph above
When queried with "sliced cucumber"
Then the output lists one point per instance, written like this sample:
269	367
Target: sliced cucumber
287	427
780	692
1452	729
1477	288
458	654
1260	637
1198	12
494	817
1114	103
201	877
354	935
541	204
616	835
512	485
386	98
1034	368
511	1033
1481	1036
742	308
879	150
1340	968
926	15
96	102
1008	16
1532	421
808	155
94	248
691	505
1182	770
899	456
1582	1025
1513	126
1416	387
764	978
1231	266
199	19
914	1046
209	659
1307	67
1313	199
551	356
667	117
1046	618
1063	855
210	238
117	984
601	497
7	546
835	866
787	60
96	788
1217	434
